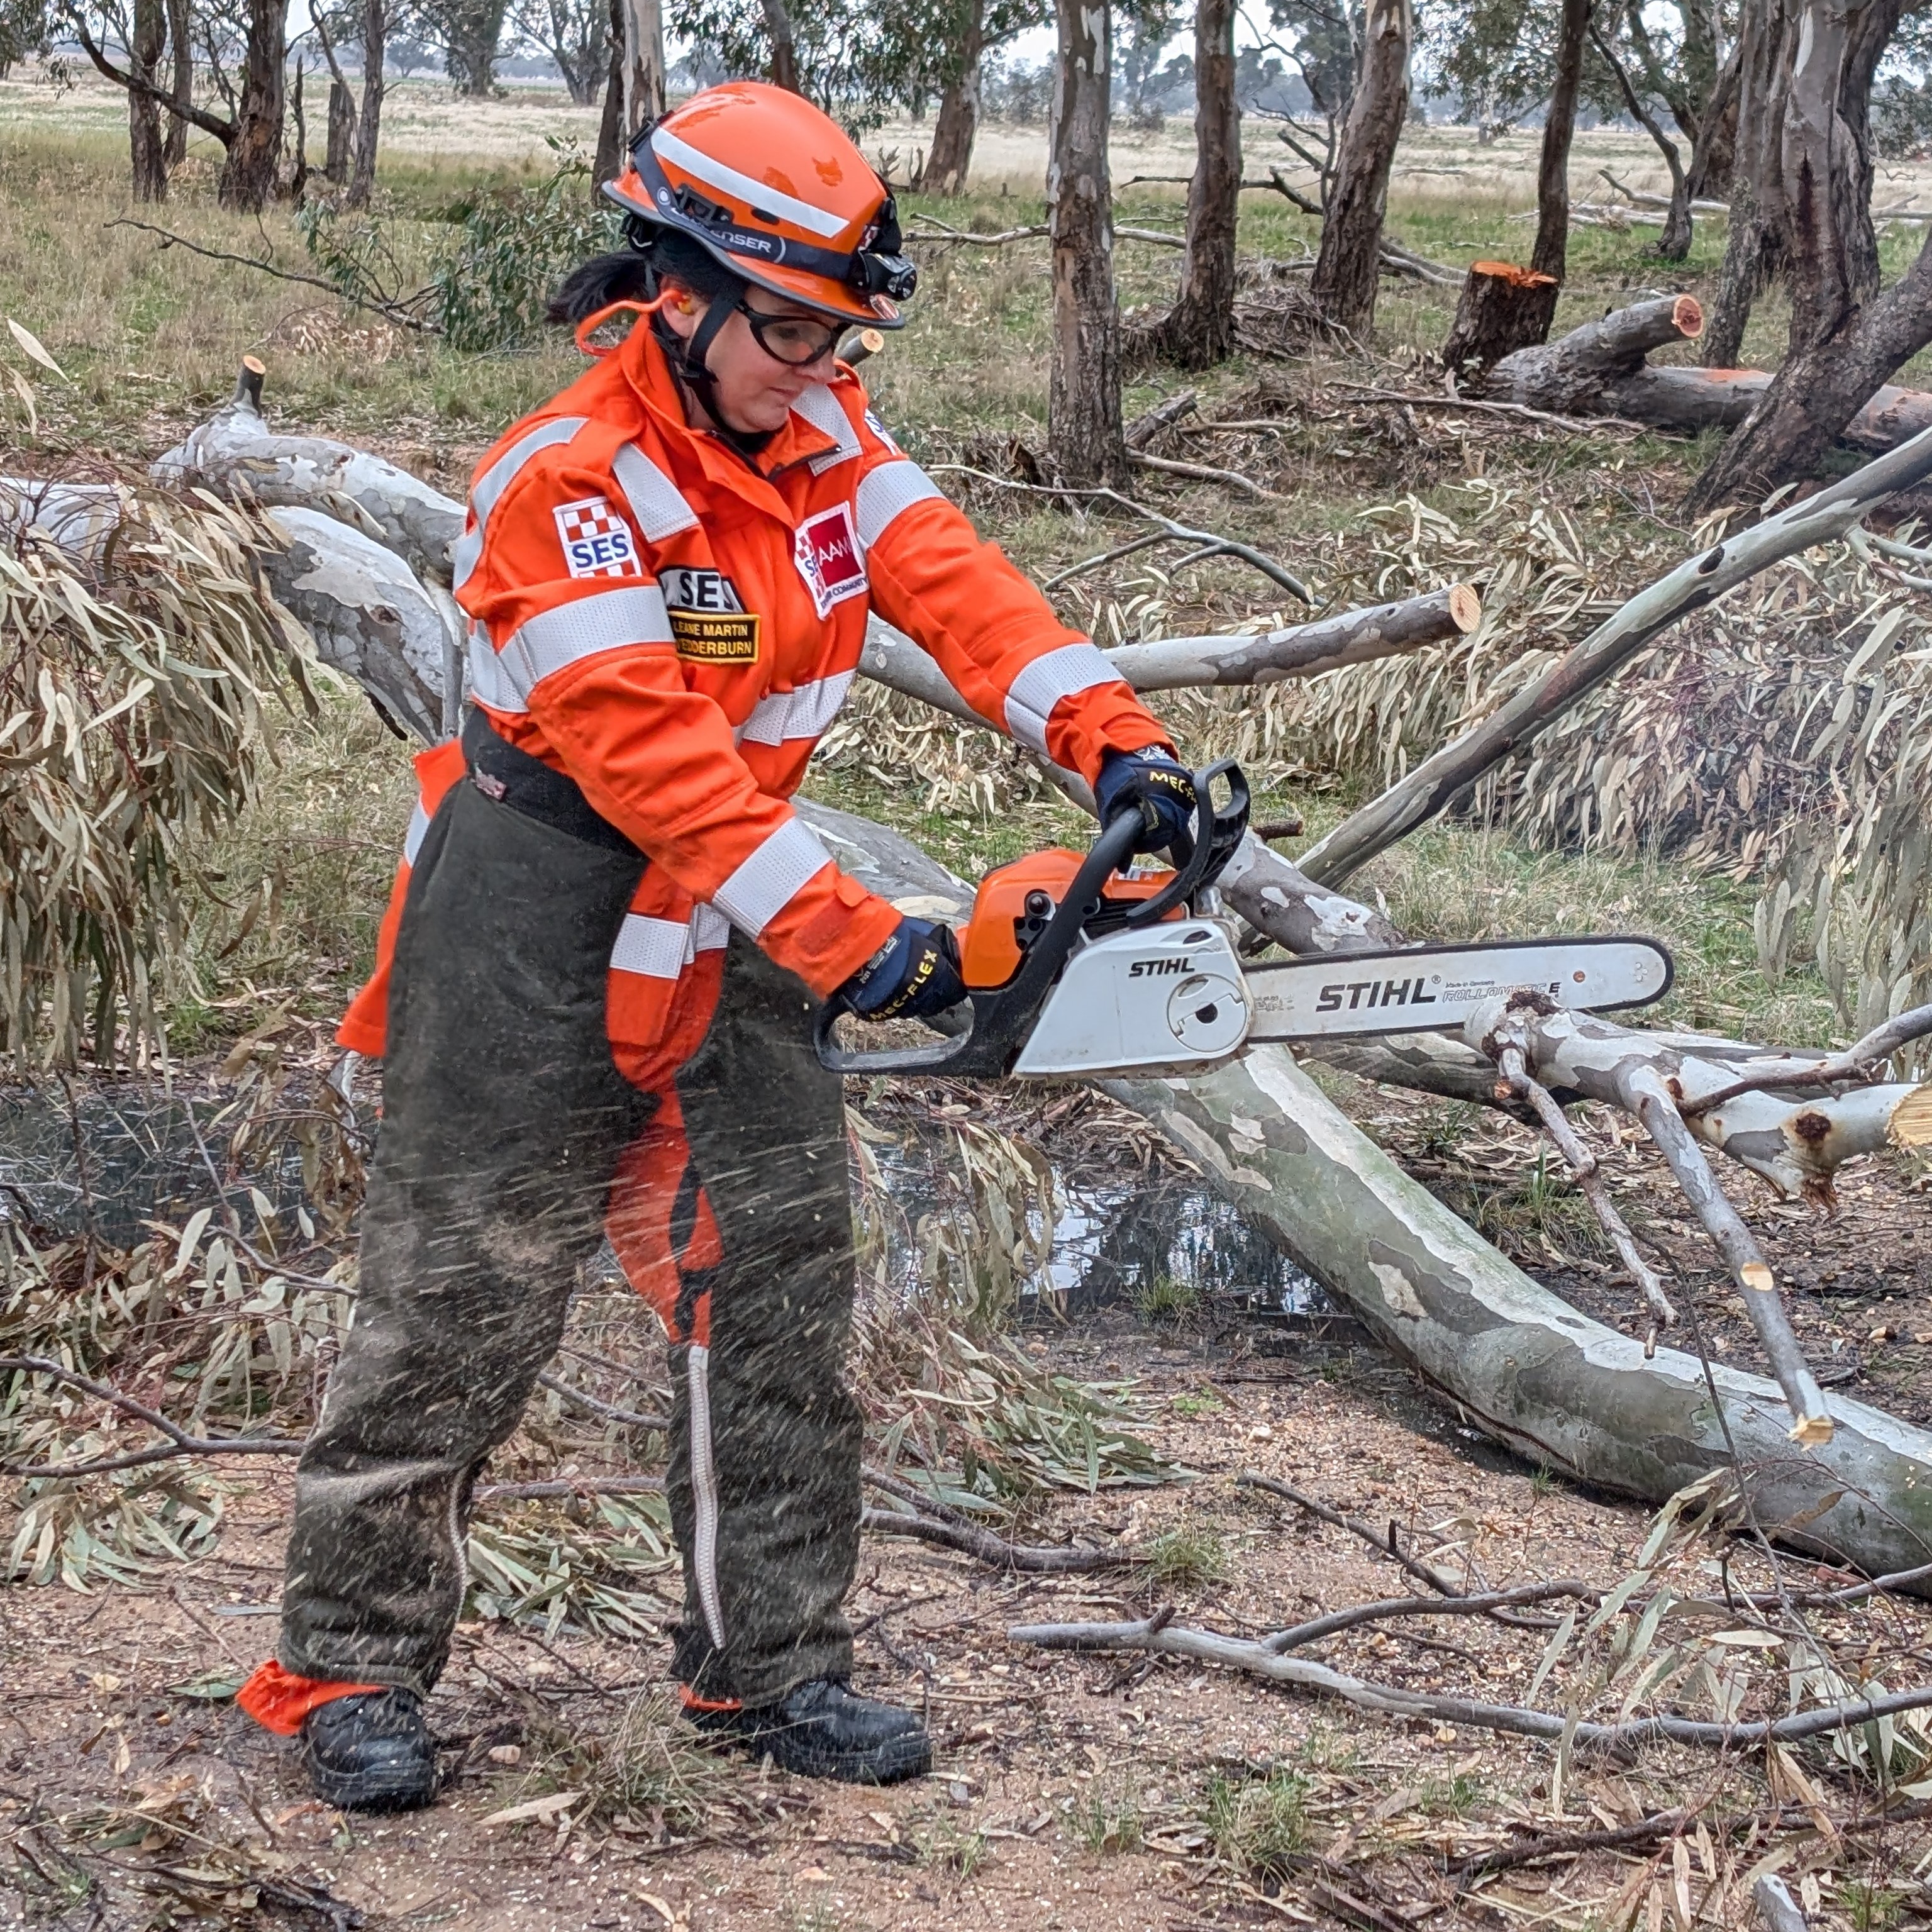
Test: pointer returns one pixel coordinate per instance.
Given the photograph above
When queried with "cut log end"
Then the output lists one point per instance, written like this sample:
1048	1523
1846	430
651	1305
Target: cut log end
1911	1124
1688	312
1811	1432
1757	1277
1465	608
248	382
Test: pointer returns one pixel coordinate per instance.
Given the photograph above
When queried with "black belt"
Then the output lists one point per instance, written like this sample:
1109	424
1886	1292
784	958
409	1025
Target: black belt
499	770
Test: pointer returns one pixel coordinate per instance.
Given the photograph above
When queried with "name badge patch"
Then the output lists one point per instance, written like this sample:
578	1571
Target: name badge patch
596	540
716	637
827	553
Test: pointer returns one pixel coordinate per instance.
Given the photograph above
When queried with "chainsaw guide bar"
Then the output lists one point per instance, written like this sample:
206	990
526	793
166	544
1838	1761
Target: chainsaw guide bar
1430	989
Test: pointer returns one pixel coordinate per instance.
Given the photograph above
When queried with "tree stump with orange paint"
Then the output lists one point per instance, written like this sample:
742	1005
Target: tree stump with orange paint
1503	308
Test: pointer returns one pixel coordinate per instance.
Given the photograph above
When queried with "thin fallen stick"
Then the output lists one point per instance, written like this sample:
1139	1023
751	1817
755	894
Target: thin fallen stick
596	1405
1589	1178
179	1443
1423	1573
1569	1844
1480	408
396	312
1651	1102
1304	1673
1857	1062
1140	543
1317	1628
1036	1560
1202	473
1265	564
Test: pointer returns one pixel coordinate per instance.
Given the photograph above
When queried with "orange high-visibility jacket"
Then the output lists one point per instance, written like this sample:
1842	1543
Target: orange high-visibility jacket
675	628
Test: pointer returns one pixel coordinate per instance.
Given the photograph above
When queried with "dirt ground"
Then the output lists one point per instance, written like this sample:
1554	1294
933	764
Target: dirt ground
1070	1791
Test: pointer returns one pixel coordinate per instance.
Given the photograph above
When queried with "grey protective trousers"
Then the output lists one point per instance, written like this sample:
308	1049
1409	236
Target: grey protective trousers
504	1118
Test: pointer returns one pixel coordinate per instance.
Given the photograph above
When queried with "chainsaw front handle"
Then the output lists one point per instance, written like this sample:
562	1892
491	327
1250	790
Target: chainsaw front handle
1003	1017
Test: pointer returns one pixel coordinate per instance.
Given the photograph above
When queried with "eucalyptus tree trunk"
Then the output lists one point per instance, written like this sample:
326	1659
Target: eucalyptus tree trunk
181	44
959	122
369	122
473	28
784	45
1085	437
147	147
1552	173
1814	212
643	64
1199	329
248	175
1349	264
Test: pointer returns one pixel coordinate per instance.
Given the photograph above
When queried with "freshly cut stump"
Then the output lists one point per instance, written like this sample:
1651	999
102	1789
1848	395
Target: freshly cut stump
1503	308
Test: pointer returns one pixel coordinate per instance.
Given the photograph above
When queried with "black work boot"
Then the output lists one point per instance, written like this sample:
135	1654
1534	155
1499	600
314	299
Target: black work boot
819	1729
370	1751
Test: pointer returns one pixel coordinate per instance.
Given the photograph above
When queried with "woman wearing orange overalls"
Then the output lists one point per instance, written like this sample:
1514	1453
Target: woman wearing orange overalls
611	928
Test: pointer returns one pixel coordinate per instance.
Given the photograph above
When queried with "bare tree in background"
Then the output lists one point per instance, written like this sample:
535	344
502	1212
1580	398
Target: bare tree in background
1085	432
147	146
1199	329
369	121
252	133
1348	265
643	83
1809	213
339	151
784	44
576	35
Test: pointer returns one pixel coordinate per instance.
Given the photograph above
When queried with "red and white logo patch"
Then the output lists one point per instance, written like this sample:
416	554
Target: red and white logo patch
596	540
827	553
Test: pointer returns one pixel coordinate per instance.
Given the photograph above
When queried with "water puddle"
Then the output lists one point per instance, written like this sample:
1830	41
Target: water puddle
1169	1245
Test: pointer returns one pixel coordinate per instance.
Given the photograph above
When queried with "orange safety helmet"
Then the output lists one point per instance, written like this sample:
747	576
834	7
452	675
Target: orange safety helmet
777	192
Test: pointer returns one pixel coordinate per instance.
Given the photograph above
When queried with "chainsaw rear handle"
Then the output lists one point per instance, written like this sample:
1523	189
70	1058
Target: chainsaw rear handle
1003	1016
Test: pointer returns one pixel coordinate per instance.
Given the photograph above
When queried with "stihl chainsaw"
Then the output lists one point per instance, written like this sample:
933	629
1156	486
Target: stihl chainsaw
1074	967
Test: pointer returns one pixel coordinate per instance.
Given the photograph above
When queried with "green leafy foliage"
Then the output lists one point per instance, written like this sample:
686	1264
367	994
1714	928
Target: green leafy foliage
515	246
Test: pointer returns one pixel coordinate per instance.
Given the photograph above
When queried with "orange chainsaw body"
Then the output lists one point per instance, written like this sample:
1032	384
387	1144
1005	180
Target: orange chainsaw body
1019	899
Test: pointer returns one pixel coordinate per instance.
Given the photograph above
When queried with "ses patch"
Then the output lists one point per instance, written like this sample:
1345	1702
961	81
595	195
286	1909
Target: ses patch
596	540
709	623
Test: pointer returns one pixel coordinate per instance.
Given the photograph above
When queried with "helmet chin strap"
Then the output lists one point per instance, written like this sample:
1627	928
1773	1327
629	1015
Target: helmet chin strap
688	360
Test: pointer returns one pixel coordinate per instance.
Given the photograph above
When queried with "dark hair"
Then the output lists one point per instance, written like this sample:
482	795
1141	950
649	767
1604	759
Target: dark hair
632	273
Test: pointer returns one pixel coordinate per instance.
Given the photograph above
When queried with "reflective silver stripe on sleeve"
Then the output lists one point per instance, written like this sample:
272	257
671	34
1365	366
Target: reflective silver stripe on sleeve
661	949
710	930
884	492
806	712
761	888
657	948
656	503
606	621
1045	682
490	682
821	408
484	492
412	839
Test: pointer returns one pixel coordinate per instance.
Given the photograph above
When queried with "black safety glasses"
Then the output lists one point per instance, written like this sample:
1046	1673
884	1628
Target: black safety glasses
792	340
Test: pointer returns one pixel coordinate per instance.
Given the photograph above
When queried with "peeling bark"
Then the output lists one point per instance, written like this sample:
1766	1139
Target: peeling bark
1520	1363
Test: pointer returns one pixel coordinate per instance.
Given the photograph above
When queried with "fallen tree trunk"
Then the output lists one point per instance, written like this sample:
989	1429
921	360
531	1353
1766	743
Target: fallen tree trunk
1600	370
1522	1364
